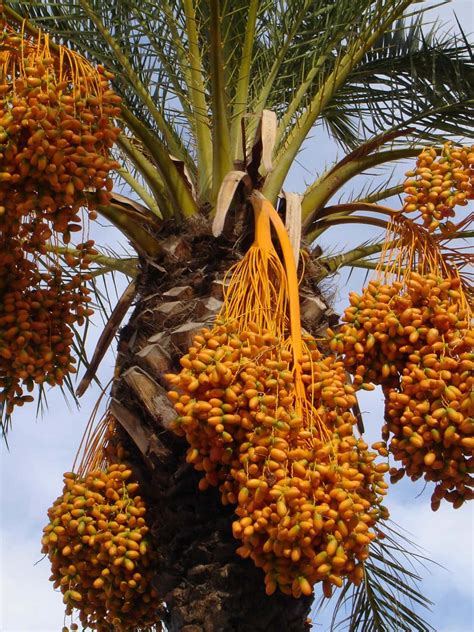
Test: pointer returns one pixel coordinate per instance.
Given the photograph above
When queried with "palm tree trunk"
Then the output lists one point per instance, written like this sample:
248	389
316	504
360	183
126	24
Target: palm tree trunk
199	577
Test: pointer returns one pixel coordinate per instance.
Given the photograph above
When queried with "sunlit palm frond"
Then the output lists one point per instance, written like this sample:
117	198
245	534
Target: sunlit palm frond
389	597
302	59
110	33
415	79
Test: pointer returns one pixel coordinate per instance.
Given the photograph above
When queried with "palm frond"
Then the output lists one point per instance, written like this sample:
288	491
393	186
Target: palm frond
389	597
453	246
102	302
107	32
411	78
108	334
380	192
302	59
358	161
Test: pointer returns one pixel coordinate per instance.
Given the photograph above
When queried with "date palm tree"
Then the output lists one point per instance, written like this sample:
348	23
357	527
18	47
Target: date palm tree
218	99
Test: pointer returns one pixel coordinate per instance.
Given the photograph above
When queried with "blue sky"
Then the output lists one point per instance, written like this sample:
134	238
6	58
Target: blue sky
42	449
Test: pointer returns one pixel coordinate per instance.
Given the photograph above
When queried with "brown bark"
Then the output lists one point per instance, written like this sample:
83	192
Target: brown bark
202	581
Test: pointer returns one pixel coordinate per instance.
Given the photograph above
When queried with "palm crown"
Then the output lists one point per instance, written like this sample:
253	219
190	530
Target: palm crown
196	77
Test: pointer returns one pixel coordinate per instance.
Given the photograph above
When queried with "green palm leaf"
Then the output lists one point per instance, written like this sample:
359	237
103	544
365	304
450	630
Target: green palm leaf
407	78
389	595
412	79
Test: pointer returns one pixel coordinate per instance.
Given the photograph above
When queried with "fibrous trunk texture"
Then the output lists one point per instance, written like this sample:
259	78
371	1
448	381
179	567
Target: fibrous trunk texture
203	583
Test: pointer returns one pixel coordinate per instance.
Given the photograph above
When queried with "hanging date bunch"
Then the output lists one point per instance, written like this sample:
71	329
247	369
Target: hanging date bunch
269	420
38	308
441	181
411	332
56	133
97	540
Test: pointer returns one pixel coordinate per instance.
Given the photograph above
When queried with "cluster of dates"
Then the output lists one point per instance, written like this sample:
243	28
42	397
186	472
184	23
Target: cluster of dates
440	183
100	553
56	132
415	340
307	491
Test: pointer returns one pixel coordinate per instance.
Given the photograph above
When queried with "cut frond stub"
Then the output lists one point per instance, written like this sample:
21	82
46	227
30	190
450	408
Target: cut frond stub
293	221
225	197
